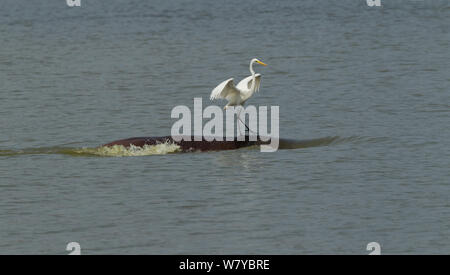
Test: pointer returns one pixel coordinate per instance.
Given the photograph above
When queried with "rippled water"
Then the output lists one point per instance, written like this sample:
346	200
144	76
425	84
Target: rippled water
72	79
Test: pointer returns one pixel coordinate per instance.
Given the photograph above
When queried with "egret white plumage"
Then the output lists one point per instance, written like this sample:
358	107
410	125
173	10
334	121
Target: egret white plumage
238	95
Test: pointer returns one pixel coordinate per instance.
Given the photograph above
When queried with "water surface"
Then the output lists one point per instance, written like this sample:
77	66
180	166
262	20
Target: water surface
74	78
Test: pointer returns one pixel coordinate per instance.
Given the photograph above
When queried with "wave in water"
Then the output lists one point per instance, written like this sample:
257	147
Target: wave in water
166	148
113	151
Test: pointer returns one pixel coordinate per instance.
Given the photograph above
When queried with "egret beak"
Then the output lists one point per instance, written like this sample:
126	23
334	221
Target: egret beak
262	63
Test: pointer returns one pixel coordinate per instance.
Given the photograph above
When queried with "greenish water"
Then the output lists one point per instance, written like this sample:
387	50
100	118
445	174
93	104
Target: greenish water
72	79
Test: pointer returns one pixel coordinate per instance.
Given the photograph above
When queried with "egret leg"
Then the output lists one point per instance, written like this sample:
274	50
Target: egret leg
247	128
239	118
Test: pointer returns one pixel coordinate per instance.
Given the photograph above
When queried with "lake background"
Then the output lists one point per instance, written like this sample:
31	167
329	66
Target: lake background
376	77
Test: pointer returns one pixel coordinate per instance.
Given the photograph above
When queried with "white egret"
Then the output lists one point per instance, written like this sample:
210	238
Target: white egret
238	95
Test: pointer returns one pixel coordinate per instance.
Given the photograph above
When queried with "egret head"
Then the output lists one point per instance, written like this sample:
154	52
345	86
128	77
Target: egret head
256	60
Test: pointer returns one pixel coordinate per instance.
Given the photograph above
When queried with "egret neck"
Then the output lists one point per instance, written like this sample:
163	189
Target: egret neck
253	76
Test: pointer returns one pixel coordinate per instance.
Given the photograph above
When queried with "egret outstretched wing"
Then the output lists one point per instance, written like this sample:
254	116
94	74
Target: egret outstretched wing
238	95
246	83
225	90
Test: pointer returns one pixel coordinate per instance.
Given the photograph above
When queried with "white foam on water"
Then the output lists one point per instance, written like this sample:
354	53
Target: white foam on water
132	151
